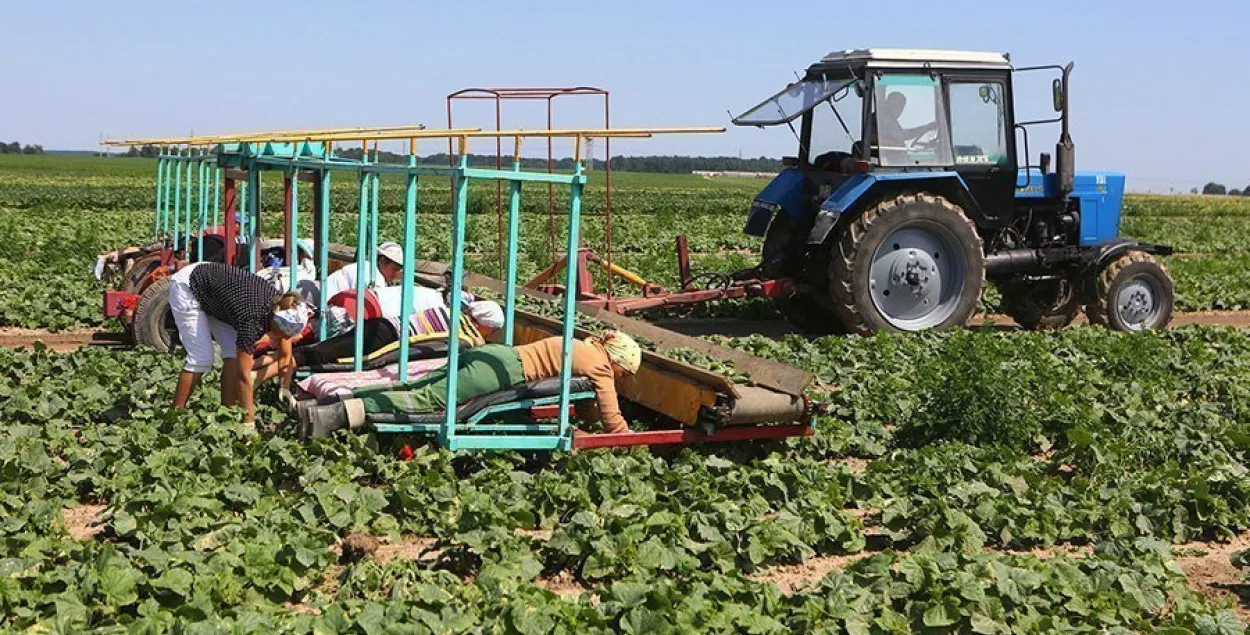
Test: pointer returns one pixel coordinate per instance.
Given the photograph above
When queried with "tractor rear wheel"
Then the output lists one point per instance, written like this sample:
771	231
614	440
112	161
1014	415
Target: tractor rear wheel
1040	305
775	255
154	321
910	263
1132	293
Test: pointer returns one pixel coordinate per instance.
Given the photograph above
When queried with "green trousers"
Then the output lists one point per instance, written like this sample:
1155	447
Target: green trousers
481	370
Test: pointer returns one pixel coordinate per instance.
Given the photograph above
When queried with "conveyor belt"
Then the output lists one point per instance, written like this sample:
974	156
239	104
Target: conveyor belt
675	389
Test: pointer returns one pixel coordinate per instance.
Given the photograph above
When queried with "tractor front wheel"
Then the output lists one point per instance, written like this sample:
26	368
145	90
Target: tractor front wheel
1132	293
154	324
1040	305
910	263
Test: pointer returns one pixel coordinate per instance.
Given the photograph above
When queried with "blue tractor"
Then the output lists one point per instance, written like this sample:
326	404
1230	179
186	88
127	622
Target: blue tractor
909	194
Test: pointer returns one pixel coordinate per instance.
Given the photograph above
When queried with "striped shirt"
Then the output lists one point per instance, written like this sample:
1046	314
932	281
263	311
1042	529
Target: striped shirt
237	297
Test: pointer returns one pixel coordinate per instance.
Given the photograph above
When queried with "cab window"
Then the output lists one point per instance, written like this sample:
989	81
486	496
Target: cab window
836	126
909	122
978	123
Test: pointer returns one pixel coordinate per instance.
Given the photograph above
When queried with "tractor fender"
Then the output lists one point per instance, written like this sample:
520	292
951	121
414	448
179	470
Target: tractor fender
861	189
1099	256
782	195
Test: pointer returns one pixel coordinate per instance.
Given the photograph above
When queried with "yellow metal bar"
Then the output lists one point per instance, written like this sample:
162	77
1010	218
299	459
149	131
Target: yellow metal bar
263	135
622	272
641	133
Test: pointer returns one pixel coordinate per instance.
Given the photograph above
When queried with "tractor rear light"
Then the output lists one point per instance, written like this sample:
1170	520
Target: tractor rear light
789	162
860	166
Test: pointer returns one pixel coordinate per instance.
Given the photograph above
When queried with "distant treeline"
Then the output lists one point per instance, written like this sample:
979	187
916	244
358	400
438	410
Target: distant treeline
660	164
15	147
1218	189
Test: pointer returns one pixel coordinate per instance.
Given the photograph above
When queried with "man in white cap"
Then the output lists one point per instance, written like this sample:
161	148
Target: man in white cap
390	268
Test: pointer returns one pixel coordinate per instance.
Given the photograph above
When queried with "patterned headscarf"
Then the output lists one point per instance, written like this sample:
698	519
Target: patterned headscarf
621	349
293	320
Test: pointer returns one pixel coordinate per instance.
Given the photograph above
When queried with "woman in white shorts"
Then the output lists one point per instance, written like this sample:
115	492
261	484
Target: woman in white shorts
238	309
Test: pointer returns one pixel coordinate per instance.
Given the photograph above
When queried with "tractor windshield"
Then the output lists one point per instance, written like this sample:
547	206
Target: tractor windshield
791	102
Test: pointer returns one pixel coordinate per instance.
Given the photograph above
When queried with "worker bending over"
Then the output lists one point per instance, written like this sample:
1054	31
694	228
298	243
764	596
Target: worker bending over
215	301
491	368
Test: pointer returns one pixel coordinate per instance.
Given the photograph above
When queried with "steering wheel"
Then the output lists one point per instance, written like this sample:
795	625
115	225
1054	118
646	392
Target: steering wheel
927	141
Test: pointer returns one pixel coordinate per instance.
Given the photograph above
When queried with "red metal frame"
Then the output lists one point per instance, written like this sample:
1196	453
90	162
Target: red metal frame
548	94
115	302
231	206
653	296
689	436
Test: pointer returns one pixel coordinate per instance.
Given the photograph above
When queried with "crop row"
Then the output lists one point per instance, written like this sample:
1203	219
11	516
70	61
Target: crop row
977	439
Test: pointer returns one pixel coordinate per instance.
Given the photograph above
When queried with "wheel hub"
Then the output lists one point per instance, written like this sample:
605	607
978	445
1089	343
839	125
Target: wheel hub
1138	303
917	276
914	273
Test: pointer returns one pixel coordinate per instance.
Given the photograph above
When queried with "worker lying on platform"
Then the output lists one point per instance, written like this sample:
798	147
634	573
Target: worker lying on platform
481	318
491	368
238	309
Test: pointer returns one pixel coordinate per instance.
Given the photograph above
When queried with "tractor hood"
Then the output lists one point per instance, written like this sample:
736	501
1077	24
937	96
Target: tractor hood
791	102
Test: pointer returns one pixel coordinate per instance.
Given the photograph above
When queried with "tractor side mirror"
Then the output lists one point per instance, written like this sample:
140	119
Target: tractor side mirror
984	91
1057	95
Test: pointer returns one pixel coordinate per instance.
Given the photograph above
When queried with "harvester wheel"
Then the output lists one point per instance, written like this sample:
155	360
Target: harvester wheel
132	282
1040	305
154	321
910	263
1132	293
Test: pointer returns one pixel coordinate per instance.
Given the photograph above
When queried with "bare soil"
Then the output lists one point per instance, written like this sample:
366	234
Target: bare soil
58	341
541	535
563	584
1209	570
737	327
83	521
792	578
408	548
1240	319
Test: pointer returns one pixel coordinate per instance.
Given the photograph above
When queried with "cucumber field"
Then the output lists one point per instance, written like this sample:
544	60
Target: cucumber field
984	480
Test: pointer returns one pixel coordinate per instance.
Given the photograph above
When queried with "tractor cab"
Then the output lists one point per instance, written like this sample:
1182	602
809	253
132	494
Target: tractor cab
890	111
906	196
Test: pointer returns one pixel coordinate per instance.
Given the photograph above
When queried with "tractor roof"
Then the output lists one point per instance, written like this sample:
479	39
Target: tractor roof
916	58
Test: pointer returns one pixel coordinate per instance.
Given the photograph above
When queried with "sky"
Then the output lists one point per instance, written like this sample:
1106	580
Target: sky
1159	92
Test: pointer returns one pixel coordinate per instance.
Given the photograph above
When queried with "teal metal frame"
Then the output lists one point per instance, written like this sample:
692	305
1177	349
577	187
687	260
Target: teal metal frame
182	208
450	433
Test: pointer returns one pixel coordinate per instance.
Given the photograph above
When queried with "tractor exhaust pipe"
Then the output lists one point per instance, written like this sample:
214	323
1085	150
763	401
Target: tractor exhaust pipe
1065	150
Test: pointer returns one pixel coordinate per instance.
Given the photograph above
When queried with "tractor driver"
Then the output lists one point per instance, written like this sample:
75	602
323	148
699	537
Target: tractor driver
890	134
887	135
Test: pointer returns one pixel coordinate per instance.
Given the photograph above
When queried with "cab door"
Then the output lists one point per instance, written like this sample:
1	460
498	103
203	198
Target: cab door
982	141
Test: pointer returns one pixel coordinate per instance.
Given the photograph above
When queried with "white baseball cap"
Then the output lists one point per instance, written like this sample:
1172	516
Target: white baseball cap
487	313
392	252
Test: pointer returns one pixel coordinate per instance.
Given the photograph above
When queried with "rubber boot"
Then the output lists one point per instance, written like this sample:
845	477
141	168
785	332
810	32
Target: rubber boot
301	411
325	420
